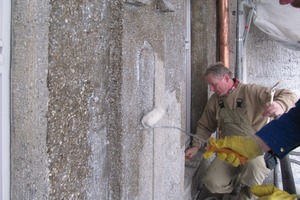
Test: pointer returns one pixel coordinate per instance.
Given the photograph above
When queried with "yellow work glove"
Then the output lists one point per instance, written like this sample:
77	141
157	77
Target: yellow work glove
270	192
234	150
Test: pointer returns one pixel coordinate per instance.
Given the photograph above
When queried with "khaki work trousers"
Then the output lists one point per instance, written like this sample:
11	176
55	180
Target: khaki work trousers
223	178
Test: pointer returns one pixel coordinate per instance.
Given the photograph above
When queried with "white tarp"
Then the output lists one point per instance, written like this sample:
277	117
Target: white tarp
281	22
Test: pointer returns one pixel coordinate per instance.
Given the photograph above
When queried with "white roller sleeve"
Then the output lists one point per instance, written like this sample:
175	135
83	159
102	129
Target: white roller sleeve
153	117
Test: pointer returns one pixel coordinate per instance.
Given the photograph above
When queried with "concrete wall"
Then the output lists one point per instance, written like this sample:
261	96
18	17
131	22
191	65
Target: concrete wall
83	75
29	99
268	62
153	82
204	52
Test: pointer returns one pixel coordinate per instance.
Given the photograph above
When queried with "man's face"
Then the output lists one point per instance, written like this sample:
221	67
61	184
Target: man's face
218	85
294	3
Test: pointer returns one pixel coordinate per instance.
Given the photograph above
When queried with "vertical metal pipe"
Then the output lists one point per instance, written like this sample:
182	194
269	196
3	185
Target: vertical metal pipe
247	25
275	176
224	31
188	65
287	175
239	40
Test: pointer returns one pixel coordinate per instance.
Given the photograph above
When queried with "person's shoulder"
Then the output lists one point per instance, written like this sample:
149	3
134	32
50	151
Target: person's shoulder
213	97
213	100
250	89
253	86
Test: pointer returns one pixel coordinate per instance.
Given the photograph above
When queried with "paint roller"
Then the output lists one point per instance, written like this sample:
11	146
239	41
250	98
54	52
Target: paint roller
153	117
150	119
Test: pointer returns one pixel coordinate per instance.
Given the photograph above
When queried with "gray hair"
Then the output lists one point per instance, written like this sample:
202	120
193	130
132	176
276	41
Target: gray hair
217	69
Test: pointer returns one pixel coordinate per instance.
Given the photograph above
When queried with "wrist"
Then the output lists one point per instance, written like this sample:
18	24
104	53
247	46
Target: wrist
263	146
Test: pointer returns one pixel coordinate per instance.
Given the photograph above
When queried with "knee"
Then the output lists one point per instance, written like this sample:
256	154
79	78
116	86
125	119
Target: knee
217	185
254	173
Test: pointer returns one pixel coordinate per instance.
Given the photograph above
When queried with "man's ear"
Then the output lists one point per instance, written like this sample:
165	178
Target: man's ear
227	78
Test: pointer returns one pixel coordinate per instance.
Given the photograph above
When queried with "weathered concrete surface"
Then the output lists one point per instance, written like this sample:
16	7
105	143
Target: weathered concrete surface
268	62
84	83
29	96
204	52
82	79
154	55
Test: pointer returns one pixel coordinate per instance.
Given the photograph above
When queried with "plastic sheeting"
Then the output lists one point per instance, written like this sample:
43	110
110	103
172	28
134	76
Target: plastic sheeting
280	22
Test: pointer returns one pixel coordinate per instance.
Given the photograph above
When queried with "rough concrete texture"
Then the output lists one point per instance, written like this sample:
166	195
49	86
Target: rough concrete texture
204	52
84	82
153	82
270	62
84	73
29	96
